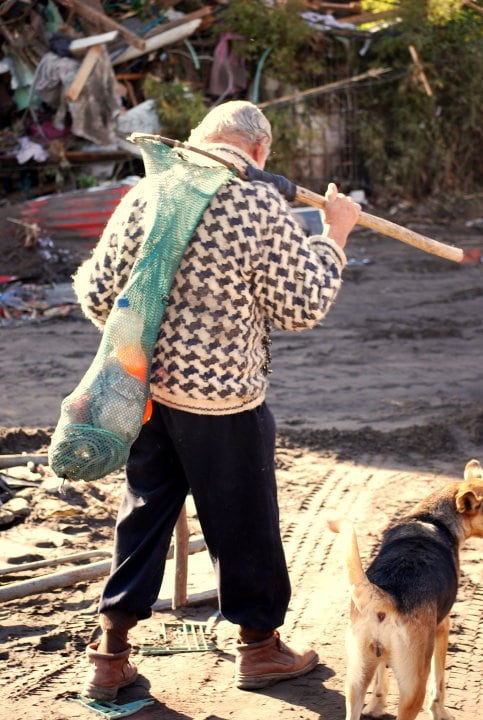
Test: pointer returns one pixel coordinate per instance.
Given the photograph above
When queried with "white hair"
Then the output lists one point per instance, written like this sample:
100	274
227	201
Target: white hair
236	118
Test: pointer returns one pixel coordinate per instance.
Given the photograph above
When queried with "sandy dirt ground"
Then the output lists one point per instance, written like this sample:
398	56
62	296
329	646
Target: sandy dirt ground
376	408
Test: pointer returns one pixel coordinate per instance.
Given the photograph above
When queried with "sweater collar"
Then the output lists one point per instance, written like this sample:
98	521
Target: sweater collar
229	153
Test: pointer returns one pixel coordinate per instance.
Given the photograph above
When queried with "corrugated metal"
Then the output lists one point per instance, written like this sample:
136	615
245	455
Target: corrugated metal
80	215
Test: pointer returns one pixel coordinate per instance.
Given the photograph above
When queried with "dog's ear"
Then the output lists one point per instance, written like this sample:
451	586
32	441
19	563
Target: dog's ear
473	470
468	501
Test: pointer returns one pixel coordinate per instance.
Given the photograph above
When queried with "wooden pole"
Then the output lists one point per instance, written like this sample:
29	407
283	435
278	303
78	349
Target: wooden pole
386	227
52	581
7	461
321	89
161	39
420	70
37	564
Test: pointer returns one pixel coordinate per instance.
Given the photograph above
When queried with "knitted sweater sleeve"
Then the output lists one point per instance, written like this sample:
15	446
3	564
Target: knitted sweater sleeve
295	278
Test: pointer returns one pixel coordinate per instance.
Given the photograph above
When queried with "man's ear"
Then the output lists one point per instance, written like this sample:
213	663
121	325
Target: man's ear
260	153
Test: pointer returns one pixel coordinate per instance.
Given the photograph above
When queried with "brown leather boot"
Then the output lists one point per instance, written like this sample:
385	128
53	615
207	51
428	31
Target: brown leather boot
263	663
107	673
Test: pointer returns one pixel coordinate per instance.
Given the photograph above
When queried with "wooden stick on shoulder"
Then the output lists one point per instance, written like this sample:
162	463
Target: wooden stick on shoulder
307	197
386	227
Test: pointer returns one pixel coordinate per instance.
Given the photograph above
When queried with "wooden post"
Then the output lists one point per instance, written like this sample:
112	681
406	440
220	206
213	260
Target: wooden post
181	545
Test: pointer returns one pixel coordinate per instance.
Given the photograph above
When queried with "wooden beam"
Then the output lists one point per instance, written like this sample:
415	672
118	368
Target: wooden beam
66	578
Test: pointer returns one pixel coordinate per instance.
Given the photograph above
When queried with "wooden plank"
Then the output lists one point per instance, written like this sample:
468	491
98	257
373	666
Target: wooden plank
170	37
86	67
87	42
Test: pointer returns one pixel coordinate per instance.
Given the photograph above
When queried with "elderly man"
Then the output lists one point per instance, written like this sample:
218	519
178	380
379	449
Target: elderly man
248	266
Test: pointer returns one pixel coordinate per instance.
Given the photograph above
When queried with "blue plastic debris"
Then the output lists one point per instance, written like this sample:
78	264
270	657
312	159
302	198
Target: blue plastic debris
111	710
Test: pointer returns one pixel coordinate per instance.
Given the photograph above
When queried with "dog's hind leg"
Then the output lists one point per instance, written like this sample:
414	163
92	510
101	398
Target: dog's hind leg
411	698
377	703
411	670
437	679
360	671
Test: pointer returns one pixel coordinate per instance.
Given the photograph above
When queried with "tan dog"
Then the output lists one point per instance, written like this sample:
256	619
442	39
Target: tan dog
400	605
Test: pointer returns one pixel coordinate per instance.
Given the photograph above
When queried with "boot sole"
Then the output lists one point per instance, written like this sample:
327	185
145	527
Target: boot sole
257	682
96	692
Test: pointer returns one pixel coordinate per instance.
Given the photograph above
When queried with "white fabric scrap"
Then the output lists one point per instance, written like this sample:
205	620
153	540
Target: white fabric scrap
30	150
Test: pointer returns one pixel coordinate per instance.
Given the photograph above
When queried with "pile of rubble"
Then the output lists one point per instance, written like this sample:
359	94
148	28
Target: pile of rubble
73	86
77	77
72	79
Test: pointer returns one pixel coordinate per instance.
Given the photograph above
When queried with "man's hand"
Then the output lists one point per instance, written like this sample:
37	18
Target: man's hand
340	214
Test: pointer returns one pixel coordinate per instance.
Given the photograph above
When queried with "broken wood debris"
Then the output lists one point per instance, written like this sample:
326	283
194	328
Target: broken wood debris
136	46
66	578
105	21
13	460
72	558
171	46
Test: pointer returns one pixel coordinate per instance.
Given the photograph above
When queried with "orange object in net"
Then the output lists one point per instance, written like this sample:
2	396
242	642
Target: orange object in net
133	360
148	410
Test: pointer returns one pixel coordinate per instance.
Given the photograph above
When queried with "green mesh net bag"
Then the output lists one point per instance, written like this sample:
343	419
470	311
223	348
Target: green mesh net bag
102	417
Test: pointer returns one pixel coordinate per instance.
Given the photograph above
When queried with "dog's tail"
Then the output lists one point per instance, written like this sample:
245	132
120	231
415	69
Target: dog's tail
362	590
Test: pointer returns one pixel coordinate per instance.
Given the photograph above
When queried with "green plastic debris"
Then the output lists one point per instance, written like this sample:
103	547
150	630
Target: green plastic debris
181	637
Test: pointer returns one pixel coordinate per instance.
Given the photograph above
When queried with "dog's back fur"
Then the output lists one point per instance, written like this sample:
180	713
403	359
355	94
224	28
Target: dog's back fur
418	564
400	606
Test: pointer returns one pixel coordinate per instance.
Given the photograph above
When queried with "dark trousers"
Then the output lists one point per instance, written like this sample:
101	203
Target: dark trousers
227	462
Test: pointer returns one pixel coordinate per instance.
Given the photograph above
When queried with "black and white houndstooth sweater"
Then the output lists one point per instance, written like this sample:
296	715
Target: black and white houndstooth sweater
247	265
